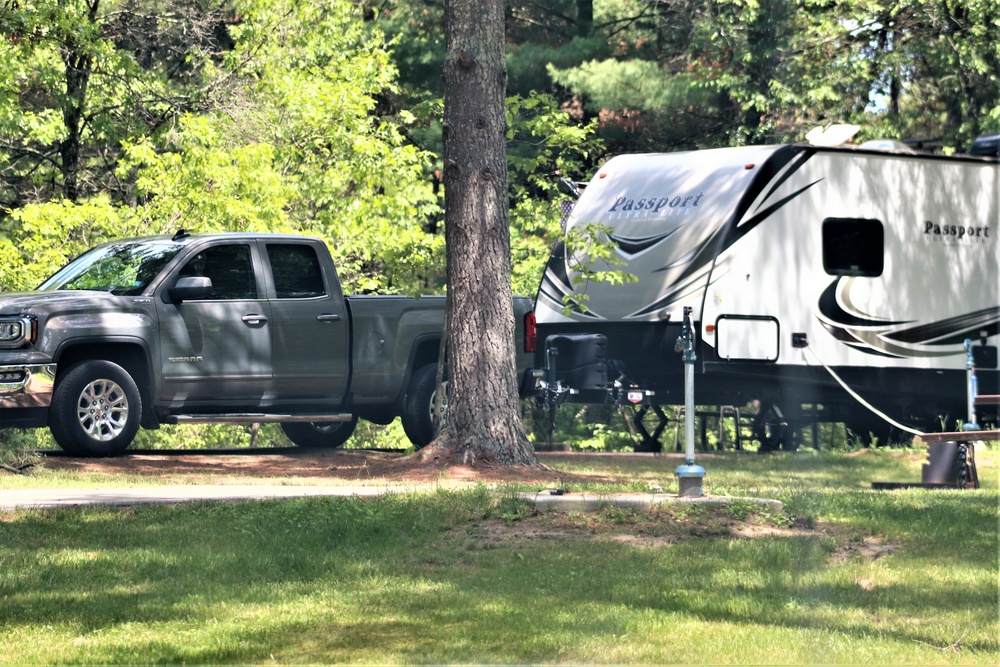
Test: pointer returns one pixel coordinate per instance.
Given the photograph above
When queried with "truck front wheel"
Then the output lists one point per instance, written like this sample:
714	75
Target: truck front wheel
418	409
319	435
95	409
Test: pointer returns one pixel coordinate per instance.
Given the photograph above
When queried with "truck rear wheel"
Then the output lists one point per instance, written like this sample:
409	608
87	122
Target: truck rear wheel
95	409
418	418
319	435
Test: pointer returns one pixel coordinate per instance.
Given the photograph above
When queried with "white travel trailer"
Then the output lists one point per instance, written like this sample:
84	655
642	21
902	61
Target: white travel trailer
801	264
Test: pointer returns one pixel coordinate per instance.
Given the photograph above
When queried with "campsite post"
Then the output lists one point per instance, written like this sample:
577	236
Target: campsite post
689	475
971	387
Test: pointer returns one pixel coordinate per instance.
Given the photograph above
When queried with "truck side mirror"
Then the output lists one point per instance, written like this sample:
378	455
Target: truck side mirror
190	287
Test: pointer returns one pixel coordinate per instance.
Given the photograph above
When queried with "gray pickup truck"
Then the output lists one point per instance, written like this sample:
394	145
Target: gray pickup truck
219	328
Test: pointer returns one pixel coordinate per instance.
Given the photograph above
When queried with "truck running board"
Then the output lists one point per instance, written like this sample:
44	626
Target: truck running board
253	418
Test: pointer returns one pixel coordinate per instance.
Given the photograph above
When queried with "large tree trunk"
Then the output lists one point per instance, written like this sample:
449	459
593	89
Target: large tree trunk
79	62
483	422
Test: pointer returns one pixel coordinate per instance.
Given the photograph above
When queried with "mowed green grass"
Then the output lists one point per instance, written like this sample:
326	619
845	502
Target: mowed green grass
845	575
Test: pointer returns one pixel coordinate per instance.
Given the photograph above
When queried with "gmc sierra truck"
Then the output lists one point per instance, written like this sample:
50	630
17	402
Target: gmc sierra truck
219	328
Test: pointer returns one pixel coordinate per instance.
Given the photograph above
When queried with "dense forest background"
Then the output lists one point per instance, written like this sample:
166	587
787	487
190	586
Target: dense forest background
132	117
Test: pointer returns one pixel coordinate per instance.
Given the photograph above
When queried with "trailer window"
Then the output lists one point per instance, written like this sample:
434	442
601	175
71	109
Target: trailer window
853	247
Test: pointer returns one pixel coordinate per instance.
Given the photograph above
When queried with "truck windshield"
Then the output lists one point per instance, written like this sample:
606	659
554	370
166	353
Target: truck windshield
125	269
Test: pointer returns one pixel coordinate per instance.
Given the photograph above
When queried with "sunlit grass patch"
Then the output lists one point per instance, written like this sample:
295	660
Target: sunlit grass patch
844	575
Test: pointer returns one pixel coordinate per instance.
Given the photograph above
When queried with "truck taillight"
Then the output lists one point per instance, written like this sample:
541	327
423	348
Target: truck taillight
530	332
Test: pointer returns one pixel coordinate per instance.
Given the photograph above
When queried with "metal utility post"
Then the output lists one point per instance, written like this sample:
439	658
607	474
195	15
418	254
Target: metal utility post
689	475
972	387
552	389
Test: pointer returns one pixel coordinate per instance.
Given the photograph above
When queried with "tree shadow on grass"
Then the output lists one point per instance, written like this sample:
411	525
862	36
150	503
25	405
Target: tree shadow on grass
399	580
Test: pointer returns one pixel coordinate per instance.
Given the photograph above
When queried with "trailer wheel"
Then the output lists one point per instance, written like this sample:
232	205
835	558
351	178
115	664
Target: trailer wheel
418	409
95	409
319	435
773	431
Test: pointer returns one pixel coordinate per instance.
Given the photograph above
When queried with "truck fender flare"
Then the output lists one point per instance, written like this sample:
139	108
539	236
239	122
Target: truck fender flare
129	352
424	350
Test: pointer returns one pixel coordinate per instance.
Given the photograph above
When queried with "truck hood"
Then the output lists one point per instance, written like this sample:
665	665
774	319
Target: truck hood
16	303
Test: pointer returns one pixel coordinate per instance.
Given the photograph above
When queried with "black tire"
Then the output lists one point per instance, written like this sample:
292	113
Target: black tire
95	409
319	435
773	431
418	423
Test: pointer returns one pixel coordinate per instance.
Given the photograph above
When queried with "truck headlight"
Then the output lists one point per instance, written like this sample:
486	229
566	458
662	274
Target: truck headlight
17	332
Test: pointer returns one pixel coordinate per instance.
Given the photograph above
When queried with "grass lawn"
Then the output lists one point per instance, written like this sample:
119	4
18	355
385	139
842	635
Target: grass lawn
845	575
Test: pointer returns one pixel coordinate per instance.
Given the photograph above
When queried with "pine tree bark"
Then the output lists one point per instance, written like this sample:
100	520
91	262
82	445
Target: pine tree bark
483	421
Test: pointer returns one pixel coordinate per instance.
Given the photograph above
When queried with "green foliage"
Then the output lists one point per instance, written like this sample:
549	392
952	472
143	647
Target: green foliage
300	149
544	144
376	436
906	70
593	427
606	438
80	76
211	436
530	63
39	238
17	451
636	85
359	184
284	137
666	75
194	177
592	258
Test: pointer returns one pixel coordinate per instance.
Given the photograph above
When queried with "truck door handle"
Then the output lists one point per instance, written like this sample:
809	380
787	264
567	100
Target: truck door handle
328	317
254	319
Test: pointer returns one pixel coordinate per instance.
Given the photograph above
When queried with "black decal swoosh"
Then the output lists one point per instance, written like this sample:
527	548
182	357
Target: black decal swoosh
774	166
874	352
831	310
635	246
780	162
557	262
752	222
953	330
556	287
728	233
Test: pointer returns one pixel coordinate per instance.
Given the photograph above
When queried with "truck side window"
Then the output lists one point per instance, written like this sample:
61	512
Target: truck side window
853	247
230	269
296	270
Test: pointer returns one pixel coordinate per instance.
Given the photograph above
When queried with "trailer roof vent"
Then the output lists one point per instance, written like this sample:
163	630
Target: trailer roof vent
833	135
887	145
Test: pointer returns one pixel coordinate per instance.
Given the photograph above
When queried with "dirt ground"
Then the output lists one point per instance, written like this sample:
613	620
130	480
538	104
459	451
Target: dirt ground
323	466
353	467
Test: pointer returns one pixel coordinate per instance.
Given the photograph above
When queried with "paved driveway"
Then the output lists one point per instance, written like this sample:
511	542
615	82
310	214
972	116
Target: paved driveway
543	501
65	497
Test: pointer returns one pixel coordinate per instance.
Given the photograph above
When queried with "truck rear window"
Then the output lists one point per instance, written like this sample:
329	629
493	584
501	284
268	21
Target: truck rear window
229	267
296	271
